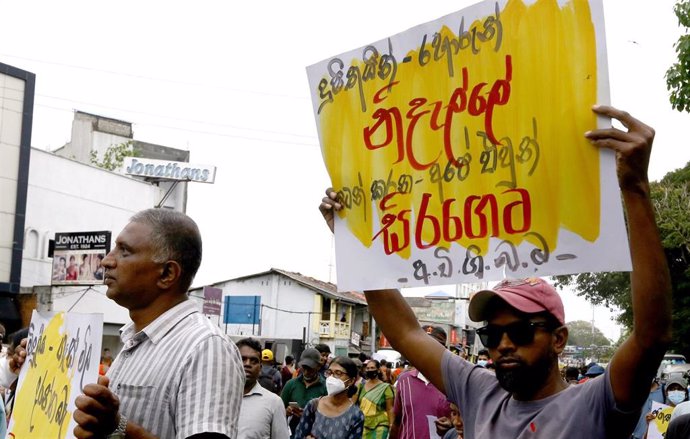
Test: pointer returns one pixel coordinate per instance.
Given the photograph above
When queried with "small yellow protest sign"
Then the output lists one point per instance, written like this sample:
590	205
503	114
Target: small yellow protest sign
662	417
63	352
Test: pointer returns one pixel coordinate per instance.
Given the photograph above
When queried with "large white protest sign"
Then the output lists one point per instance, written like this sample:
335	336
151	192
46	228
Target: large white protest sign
457	148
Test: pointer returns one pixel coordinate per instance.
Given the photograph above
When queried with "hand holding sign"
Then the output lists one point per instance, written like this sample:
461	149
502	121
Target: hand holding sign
18	357
632	148
658	420
97	410
56	362
329	205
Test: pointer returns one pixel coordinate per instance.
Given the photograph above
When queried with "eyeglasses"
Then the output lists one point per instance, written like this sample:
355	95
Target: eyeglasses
336	373
521	333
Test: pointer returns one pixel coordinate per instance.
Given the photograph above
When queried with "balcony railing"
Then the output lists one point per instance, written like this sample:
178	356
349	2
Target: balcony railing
332	329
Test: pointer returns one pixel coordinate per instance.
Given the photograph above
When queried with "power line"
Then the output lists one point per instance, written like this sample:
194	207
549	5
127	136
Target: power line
151	78
200	122
287	310
65	293
211	133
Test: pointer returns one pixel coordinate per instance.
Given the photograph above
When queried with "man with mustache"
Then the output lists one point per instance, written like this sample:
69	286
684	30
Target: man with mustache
528	398
262	415
177	375
309	384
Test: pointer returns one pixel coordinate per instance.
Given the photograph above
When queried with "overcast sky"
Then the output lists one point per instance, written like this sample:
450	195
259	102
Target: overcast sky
227	81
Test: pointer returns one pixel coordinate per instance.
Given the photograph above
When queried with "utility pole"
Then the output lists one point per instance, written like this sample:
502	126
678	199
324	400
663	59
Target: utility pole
330	260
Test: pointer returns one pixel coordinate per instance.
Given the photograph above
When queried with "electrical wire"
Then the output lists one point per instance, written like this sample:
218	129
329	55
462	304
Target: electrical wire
152	78
285	142
200	122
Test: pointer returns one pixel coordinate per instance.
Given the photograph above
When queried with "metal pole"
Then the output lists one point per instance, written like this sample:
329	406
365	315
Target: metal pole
80	297
167	194
308	327
259	305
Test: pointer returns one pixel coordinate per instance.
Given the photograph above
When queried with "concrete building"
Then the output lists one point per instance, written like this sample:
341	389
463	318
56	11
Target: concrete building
93	135
469	338
279	307
16	115
449	311
66	193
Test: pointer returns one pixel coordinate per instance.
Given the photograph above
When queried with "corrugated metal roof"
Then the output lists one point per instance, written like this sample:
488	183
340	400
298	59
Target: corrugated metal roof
326	288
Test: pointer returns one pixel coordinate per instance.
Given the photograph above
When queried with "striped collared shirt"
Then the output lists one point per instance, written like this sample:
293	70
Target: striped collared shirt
179	376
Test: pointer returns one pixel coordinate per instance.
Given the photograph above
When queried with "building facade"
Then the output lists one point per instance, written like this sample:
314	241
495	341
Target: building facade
281	307
67	193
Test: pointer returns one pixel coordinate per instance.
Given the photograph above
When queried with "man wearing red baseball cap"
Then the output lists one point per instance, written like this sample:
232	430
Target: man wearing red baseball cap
531	296
525	330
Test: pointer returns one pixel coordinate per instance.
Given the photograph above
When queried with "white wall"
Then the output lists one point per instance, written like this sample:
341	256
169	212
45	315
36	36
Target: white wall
103	141
277	292
68	196
83	299
84	138
97	134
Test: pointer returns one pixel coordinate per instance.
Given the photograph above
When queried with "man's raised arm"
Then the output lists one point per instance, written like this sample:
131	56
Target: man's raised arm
395	317
638	358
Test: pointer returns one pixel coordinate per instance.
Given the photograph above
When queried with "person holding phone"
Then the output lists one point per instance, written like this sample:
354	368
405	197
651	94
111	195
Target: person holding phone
308	385
334	416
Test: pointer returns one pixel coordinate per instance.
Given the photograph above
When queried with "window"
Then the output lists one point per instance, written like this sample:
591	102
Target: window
343	313
325	308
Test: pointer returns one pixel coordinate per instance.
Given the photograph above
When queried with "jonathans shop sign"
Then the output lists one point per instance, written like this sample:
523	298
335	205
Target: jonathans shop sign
169	170
83	241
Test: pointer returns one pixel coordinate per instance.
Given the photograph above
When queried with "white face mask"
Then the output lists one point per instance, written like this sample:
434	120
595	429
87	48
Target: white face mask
334	385
676	396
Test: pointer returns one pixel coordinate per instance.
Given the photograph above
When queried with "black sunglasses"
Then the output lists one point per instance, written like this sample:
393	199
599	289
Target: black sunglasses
521	333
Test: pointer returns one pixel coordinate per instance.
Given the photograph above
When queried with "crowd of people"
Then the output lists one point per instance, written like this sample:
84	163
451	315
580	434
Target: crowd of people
179	376
342	397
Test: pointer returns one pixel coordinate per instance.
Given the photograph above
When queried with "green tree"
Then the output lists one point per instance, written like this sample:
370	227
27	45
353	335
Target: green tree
583	333
678	75
591	343
114	156
671	198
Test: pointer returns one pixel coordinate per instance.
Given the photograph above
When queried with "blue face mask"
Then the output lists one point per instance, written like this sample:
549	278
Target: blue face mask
482	363
676	396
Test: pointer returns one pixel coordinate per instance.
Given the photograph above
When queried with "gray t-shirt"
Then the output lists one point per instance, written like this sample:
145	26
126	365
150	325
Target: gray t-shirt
581	411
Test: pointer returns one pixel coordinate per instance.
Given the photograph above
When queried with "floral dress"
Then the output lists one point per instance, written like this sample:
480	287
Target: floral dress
347	425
